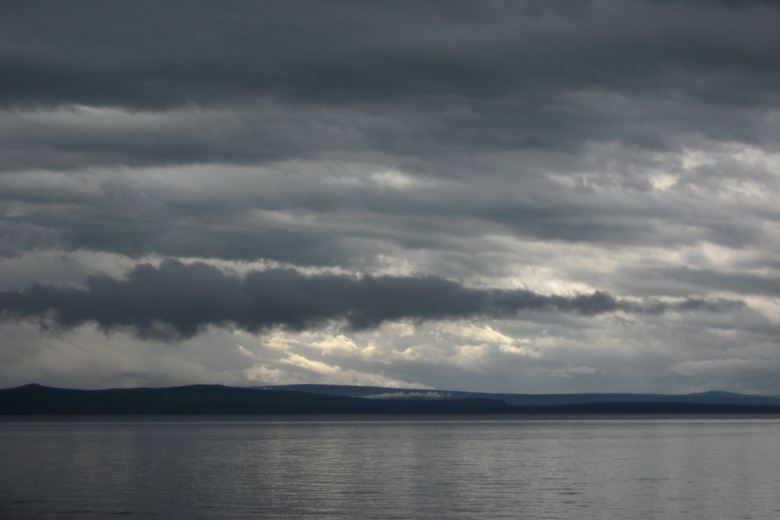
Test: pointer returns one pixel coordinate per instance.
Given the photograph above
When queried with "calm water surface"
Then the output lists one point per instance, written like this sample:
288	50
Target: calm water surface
152	467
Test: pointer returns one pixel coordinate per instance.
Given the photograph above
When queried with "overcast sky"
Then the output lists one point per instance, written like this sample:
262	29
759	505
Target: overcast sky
519	196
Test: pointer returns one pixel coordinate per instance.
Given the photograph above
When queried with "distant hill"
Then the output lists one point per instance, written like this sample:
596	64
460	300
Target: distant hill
712	397
326	399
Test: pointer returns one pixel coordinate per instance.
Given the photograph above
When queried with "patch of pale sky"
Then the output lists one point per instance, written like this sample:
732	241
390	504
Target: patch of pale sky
768	307
392	179
311	365
335	343
333	374
268	375
97	360
571	371
724	365
245	351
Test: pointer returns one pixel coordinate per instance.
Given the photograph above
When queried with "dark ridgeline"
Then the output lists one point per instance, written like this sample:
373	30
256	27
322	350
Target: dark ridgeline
322	399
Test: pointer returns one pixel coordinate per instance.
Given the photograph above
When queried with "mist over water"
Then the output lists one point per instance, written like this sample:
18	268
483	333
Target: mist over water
413	468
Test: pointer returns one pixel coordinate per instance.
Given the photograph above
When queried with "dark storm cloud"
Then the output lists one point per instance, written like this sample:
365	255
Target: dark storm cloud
398	77
177	301
152	54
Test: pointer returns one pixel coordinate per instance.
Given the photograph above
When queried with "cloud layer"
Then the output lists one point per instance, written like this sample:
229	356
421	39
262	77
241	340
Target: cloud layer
593	186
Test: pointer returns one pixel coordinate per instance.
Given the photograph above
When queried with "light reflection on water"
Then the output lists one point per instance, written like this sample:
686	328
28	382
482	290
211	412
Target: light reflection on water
173	467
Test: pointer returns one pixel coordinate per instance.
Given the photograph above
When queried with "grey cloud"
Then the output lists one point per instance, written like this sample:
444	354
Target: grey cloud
335	213
177	301
408	129
685	280
153	54
75	137
295	79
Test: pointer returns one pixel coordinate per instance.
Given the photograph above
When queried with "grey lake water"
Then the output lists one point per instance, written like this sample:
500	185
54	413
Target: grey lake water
401	467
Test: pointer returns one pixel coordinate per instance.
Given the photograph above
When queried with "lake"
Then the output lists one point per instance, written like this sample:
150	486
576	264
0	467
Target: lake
391	467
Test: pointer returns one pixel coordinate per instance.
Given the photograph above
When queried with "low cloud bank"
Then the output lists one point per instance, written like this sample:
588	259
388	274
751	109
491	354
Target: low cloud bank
176	301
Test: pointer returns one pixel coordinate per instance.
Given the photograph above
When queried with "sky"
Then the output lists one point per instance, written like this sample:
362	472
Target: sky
530	196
